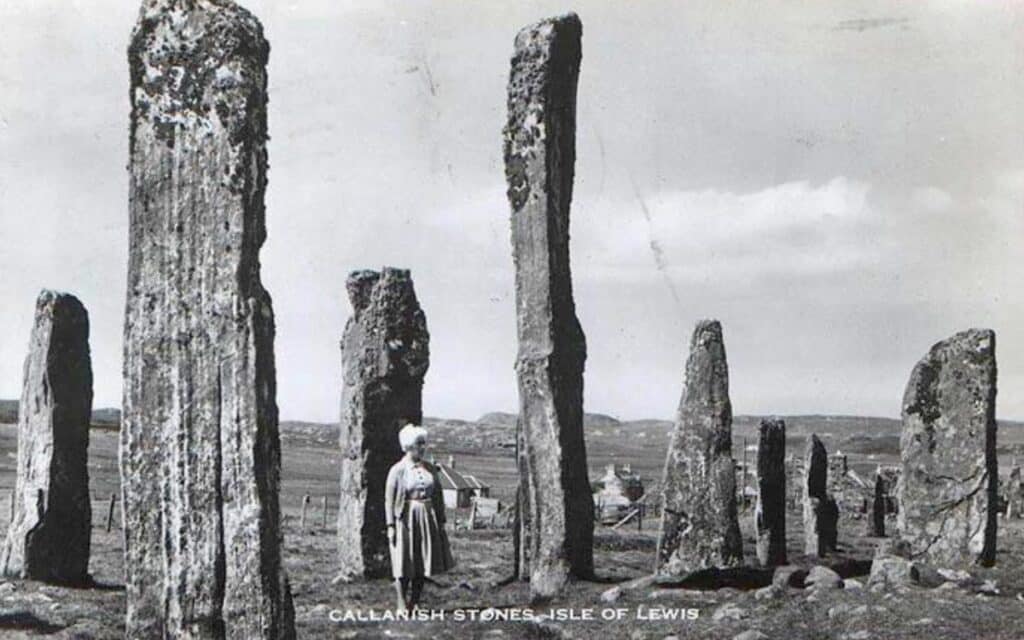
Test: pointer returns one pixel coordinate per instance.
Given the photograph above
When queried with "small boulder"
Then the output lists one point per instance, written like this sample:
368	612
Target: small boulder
768	593
785	576
611	595
823	578
751	634
728	611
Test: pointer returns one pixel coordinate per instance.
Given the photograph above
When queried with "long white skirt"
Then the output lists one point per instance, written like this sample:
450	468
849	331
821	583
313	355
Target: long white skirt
421	544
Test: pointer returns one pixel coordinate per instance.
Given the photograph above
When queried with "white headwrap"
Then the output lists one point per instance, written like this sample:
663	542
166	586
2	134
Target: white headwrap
410	434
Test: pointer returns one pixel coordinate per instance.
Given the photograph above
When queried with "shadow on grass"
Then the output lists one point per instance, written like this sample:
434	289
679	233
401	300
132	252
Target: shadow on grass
25	621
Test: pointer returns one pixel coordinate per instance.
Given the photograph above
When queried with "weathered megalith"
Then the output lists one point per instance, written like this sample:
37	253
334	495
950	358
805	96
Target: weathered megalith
540	155
48	537
384	357
948	486
200	453
770	514
821	513
699	525
878	508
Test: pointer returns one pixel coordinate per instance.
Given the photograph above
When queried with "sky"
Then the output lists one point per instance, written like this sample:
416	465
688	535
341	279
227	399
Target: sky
840	183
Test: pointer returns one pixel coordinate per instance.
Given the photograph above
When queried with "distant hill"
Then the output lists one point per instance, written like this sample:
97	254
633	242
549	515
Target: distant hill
596	420
103	418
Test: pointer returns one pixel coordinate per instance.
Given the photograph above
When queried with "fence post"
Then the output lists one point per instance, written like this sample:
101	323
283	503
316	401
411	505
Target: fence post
302	519
110	511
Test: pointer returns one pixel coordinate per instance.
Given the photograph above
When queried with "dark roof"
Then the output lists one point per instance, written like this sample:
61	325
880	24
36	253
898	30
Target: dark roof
452	479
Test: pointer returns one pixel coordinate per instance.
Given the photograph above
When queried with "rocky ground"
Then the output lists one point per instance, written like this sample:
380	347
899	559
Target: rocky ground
987	604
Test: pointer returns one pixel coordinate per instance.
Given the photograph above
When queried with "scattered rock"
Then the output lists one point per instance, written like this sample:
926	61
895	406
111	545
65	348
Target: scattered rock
728	611
856	635
823	578
751	634
852	584
988	587
611	595
785	575
768	593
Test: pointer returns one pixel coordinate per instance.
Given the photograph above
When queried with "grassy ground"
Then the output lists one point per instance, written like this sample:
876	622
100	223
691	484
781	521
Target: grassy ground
30	610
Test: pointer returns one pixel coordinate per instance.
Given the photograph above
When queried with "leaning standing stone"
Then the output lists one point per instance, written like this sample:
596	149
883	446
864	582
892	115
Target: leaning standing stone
200	453
699	526
948	486
540	154
48	538
770	515
384	357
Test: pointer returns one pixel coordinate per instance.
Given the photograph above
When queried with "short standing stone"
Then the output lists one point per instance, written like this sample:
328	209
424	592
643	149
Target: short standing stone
1014	494
699	526
384	357
948	487
821	514
878	508
540	155
770	515
200	453
48	538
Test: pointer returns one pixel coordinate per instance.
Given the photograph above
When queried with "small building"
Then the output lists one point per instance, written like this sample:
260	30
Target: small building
618	490
459	488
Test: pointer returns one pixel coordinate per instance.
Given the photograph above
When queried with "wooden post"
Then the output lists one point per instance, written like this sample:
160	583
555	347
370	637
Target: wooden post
302	519
324	521
471	521
11	518
110	511
640	517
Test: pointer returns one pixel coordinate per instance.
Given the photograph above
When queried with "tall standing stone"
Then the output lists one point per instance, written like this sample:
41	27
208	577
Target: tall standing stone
948	486
200	453
48	538
699	526
878	508
540	155
821	513
770	515
384	357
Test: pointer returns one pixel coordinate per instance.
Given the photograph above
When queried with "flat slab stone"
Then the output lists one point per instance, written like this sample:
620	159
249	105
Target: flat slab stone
49	536
948	486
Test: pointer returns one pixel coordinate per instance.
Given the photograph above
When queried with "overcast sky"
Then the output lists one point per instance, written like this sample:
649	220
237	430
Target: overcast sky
840	183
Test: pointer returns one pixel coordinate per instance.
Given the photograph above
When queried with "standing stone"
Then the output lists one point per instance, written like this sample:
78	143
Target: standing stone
948	488
200	453
384	356
821	513
1014	494
770	515
48	538
699	525
540	155
878	508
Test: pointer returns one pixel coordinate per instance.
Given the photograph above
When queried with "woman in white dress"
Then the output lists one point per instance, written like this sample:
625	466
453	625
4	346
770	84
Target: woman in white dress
414	509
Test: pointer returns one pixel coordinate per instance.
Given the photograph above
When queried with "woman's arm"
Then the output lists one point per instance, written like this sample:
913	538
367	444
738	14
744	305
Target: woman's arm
438	497
390	489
